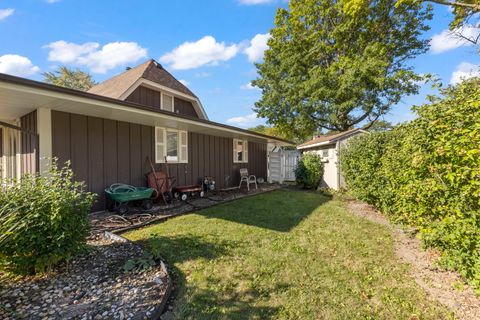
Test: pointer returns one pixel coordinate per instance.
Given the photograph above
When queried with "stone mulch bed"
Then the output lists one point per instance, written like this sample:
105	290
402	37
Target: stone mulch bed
91	286
110	221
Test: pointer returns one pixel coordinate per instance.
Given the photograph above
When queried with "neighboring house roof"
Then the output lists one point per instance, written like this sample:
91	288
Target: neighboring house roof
20	95
150	70
329	138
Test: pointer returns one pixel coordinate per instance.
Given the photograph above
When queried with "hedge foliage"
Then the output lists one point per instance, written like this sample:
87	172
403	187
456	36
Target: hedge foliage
43	220
426	174
309	171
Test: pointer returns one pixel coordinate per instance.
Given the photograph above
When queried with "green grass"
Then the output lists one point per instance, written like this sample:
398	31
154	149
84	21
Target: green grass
285	255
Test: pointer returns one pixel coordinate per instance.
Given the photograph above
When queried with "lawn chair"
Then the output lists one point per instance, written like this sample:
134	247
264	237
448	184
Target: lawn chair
247	178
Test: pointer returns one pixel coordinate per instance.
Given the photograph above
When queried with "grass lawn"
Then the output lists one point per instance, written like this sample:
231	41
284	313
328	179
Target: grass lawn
285	255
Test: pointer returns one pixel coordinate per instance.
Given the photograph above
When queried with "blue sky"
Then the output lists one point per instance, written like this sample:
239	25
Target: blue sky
211	45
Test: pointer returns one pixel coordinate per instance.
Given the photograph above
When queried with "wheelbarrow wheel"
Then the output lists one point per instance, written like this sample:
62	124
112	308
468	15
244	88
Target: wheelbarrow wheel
184	197
147	204
168	197
122	209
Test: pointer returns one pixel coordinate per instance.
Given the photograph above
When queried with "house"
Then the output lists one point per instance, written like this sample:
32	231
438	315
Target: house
109	132
328	148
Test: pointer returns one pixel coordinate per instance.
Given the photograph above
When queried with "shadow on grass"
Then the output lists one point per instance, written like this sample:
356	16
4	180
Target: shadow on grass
178	249
279	210
193	300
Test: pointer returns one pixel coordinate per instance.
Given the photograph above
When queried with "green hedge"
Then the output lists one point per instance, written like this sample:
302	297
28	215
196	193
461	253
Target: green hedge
43	220
426	174
309	171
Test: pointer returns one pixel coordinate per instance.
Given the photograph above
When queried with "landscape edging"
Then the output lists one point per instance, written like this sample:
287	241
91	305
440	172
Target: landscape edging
158	311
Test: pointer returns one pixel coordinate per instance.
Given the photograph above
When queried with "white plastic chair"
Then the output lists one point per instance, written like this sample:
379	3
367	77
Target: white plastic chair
247	178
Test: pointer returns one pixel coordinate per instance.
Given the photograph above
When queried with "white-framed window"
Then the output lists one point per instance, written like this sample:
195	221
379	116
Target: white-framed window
324	153
171	144
167	102
240	151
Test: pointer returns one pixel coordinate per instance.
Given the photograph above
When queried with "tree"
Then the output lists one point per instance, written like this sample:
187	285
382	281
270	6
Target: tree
272	131
381	125
69	78
327	69
464	12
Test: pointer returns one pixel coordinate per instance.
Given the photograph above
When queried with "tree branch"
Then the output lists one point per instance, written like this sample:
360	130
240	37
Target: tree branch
474	7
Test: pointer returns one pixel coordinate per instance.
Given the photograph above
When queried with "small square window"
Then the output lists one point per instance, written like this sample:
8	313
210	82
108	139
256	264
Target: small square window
167	102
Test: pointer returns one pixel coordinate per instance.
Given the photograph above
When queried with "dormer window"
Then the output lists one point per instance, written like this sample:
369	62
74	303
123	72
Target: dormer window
167	102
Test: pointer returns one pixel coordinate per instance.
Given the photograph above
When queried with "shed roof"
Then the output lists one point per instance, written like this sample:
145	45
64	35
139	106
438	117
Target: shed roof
329	138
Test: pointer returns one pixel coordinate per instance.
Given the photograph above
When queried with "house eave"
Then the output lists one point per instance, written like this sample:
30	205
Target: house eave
38	94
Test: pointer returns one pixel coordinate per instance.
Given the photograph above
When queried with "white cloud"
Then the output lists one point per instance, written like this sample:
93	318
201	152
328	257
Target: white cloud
257	46
90	55
53	1
448	40
464	70
253	2
184	82
206	51
69	52
249	120
17	65
5	13
249	86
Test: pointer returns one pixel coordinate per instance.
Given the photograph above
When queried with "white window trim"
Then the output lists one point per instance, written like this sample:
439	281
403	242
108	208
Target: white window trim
245	151
161	102
164	145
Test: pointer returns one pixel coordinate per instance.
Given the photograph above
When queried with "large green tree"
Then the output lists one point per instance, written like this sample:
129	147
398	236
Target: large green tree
69	78
327	69
463	10
465	14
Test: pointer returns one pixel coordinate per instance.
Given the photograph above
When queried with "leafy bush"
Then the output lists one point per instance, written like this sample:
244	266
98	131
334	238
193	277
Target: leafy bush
309	170
43	220
427	174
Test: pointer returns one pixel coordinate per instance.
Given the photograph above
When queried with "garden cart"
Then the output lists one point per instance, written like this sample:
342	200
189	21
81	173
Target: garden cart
124	194
183	192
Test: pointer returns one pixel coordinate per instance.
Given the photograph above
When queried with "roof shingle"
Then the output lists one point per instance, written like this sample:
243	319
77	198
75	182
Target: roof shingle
150	70
333	137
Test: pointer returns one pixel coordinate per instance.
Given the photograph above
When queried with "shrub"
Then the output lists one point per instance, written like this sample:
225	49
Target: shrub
309	171
427	174
361	165
43	220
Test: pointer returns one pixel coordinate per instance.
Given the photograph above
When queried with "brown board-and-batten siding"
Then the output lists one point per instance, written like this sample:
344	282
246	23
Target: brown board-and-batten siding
104	151
29	143
148	97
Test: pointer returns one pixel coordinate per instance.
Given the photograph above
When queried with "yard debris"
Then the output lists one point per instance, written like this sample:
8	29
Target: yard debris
447	287
94	286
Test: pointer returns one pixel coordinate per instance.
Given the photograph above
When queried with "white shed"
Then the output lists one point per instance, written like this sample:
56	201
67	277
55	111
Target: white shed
328	147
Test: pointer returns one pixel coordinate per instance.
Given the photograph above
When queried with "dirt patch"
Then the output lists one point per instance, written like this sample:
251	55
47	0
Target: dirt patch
446	287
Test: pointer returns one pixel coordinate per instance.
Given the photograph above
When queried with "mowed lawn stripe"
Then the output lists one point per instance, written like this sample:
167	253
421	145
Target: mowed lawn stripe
285	255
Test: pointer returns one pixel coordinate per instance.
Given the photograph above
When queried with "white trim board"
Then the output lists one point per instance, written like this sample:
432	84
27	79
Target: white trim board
153	85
